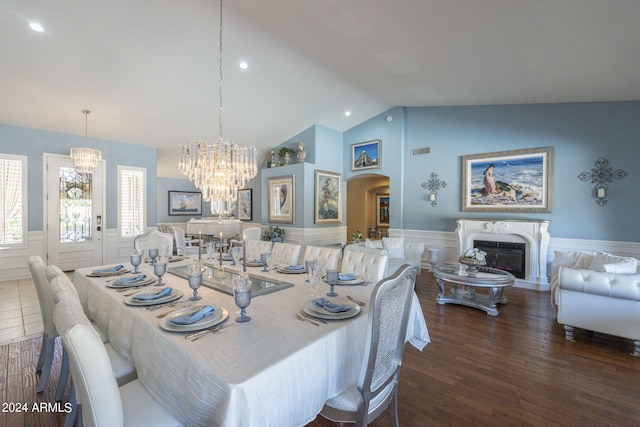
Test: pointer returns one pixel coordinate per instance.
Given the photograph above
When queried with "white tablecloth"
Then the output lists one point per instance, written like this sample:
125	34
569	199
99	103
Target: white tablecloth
272	371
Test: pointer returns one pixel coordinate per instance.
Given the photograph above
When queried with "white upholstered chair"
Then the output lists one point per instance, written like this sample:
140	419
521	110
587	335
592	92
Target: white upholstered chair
153	240
103	403
370	266
377	386
285	253
329	256
249	233
183	245
37	267
257	247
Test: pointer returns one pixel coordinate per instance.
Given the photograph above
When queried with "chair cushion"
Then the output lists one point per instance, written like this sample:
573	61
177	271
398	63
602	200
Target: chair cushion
395	246
608	263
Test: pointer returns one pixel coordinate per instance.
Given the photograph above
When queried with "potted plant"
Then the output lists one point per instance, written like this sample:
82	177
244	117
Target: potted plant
284	154
357	236
273	234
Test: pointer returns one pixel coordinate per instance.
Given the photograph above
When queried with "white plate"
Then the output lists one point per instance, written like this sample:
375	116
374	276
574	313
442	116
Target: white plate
112	273
218	316
312	310
171	297
357	281
254	264
285	271
147	281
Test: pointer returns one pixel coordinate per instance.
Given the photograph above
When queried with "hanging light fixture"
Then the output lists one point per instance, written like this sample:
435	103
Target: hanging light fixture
219	169
85	158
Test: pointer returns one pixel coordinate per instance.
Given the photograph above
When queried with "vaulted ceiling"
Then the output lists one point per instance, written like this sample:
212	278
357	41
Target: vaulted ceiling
148	69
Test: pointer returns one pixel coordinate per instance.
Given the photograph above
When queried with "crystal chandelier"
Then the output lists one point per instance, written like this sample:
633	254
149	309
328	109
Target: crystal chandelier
85	158
219	169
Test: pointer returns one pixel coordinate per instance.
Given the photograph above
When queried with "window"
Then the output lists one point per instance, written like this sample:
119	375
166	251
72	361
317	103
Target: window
132	200
13	195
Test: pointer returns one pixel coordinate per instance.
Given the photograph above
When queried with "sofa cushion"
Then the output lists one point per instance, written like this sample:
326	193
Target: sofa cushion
394	245
375	244
608	263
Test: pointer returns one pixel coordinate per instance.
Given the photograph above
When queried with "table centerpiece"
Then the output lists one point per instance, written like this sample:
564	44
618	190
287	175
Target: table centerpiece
473	258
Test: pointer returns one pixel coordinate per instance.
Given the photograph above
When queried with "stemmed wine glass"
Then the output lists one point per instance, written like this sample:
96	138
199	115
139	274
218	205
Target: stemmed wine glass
332	280
159	268
235	254
210	247
136	260
153	254
263	260
194	274
242	297
269	262
310	265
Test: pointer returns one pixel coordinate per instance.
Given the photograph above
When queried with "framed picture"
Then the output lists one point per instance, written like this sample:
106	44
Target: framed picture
328	198
365	155
245	204
508	181
281	199
382	210
185	203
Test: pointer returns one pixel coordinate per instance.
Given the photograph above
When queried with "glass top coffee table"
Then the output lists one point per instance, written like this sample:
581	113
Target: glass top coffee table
492	279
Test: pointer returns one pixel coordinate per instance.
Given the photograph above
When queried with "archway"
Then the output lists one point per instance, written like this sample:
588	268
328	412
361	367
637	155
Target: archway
362	204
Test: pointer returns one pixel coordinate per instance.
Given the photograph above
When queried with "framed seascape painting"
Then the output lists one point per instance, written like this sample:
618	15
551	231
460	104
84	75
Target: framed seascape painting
281	199
185	203
365	155
508	181
382	210
245	204
328	198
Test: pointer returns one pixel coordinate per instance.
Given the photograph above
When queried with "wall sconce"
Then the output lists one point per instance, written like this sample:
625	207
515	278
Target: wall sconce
600	175
433	185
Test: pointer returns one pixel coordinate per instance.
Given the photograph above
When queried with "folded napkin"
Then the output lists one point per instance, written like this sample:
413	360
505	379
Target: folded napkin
147	296
109	270
332	307
295	267
255	261
130	280
193	316
346	276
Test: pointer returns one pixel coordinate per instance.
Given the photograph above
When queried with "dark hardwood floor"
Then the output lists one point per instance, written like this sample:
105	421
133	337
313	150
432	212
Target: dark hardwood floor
515	369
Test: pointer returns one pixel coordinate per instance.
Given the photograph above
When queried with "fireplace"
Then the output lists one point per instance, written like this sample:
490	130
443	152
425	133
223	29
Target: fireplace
533	235
505	256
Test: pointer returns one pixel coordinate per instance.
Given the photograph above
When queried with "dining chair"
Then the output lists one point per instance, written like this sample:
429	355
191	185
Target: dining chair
285	253
249	233
329	256
153	240
102	401
37	268
183	245
257	247
370	266
377	385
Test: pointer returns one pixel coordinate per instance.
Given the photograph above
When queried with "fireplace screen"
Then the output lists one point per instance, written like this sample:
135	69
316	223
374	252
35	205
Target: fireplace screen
505	256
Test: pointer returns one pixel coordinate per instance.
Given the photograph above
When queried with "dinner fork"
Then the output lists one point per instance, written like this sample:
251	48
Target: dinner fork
301	317
355	301
315	319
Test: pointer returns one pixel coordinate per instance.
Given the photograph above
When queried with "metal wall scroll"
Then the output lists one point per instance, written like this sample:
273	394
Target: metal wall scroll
433	185
600	175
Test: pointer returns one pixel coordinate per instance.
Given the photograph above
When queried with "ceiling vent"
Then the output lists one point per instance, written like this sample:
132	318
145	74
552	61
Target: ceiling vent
420	151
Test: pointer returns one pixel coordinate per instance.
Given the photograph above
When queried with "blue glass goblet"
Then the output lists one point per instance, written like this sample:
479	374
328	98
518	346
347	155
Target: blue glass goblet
159	268
153	254
332	280
242	297
136	260
194	275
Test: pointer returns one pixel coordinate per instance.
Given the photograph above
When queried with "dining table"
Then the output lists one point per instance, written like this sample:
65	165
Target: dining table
274	370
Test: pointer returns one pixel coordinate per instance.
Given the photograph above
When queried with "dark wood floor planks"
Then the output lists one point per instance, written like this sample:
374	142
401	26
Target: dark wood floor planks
515	369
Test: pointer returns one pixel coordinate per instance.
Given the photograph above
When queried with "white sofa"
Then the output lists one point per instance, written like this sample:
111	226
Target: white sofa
412	254
595	300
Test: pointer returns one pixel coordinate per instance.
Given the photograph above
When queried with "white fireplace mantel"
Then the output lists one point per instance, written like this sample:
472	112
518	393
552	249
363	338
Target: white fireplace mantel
533	233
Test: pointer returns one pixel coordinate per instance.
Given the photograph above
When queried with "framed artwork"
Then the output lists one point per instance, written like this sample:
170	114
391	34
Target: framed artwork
508	181
365	155
185	203
328	198
281	199
382	210
245	204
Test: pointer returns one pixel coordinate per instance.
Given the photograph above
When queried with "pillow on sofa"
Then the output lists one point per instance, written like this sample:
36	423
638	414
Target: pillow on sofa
614	264
395	246
377	244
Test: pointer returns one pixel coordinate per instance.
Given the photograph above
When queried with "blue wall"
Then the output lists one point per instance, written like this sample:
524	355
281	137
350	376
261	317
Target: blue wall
580	133
33	143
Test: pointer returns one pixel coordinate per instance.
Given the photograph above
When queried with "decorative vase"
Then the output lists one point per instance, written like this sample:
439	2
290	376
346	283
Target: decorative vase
472	265
302	153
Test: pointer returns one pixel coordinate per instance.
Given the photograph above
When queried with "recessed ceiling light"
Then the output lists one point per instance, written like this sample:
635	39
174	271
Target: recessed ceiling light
347	113
36	27
244	65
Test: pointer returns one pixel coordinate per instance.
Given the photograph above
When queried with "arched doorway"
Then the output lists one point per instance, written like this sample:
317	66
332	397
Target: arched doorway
362	198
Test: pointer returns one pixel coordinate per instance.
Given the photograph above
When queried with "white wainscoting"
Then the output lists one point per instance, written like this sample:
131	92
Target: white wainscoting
14	263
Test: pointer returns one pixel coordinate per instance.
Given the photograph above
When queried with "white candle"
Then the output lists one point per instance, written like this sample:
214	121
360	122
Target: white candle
601	193
432	197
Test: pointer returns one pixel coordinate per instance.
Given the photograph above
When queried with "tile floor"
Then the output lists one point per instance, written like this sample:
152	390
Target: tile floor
19	311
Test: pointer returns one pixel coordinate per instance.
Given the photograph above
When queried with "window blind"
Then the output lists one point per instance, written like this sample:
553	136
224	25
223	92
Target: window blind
13	190
132	191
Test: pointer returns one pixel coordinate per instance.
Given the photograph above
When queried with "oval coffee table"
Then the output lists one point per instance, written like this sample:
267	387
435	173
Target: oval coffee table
491	278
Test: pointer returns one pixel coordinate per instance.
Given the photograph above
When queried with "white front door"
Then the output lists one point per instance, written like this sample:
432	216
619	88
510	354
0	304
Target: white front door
74	217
